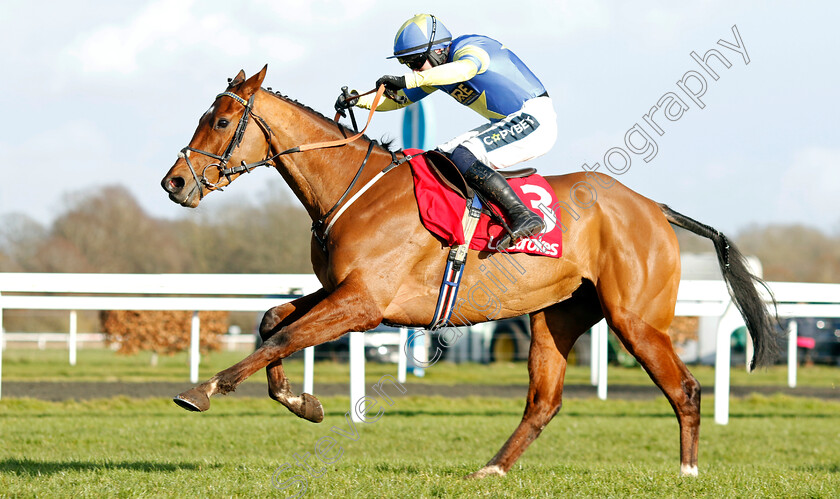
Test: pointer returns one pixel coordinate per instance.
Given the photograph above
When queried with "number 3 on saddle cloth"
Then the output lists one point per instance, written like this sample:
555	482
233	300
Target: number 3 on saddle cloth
444	211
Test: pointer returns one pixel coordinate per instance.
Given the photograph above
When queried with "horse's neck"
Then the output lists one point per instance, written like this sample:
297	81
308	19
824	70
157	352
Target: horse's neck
317	177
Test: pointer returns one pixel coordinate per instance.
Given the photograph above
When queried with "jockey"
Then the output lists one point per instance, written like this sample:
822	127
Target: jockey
487	77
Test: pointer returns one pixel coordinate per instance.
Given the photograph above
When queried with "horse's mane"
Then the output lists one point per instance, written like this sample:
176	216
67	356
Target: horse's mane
386	145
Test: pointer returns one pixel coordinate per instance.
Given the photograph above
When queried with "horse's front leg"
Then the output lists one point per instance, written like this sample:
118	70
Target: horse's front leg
305	405
349	307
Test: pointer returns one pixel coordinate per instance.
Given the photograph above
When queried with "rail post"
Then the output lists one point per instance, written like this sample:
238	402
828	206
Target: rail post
594	343
2	346
793	335
71	340
357	372
402	362
603	340
308	370
194	343
729	321
308	354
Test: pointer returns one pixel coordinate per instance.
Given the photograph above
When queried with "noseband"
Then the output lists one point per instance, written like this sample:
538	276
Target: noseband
319	225
234	143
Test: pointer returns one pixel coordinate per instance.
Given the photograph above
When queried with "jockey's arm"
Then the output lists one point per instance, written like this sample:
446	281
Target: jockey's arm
386	104
469	61
445	74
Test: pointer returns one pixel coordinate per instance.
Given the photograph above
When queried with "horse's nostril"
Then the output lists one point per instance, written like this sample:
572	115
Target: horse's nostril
174	184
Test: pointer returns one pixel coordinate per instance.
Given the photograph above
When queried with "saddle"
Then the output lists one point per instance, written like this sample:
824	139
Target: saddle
449	174
452	211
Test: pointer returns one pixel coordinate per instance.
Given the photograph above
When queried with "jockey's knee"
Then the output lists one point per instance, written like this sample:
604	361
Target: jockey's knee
463	158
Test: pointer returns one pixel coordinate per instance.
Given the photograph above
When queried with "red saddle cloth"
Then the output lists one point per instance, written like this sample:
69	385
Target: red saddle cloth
441	211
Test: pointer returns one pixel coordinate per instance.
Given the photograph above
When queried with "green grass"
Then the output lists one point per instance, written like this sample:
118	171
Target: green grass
105	365
421	447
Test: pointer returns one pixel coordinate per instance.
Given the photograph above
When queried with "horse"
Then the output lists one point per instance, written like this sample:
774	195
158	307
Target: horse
378	263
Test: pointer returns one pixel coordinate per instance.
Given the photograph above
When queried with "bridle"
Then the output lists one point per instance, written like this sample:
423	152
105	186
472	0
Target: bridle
239	134
319	225
223	159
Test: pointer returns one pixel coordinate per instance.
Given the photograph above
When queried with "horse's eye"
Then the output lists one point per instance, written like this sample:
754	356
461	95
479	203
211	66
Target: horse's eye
222	123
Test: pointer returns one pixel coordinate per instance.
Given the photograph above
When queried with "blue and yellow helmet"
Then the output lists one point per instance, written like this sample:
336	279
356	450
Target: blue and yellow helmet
420	34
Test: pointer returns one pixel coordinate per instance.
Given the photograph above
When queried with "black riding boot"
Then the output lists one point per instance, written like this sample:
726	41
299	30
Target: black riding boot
490	183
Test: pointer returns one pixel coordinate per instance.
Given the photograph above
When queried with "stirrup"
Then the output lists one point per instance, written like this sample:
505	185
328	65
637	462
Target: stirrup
511	237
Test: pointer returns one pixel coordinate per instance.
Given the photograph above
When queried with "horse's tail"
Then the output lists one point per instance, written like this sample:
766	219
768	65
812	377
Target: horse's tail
742	287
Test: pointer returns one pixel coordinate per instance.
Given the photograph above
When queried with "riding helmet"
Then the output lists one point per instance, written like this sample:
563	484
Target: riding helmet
422	33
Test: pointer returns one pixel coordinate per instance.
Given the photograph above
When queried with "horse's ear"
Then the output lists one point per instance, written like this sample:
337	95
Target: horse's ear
236	80
253	84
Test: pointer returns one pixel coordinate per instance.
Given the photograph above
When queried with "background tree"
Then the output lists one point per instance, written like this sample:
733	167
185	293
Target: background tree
793	252
20	240
272	236
787	252
106	230
112	233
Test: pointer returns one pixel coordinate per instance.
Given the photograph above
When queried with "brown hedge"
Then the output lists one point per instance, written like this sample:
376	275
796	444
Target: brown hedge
163	332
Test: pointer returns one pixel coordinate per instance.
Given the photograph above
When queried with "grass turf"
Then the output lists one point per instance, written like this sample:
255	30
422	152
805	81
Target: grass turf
105	365
421	447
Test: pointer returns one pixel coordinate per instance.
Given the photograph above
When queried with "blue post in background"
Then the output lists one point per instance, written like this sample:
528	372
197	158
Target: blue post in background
419	133
418	126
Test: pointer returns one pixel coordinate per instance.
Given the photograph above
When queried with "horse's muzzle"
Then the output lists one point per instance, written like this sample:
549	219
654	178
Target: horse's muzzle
176	186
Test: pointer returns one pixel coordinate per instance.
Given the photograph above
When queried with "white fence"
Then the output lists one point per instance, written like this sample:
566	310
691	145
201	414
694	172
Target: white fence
711	299
230	341
191	292
259	292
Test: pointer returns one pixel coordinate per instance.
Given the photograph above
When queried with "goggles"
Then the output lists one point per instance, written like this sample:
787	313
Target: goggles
414	61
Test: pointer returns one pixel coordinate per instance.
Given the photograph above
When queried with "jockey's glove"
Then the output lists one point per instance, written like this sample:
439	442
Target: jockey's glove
392	83
346	101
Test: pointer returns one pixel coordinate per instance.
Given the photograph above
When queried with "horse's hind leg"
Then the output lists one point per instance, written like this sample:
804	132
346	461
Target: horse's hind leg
553	333
305	406
649	342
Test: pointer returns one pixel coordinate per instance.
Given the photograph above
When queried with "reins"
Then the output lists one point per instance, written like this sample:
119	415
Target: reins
341	142
202	181
318	225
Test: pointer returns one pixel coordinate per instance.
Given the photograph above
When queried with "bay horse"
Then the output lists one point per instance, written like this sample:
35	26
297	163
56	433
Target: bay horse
378	263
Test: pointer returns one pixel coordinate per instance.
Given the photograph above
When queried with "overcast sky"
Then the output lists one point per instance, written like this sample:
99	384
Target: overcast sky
100	93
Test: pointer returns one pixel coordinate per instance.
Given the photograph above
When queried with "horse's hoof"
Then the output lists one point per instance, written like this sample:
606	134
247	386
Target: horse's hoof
485	472
311	409
193	400
688	470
